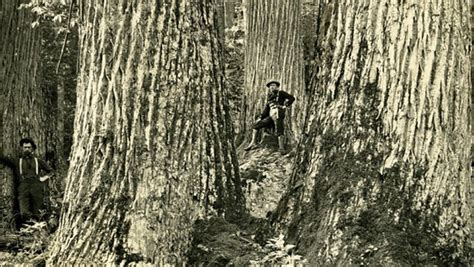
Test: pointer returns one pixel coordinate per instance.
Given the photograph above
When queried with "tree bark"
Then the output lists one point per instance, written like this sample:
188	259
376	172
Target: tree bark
383	176
471	201
153	144
22	103
229	7
61	101
221	11
273	51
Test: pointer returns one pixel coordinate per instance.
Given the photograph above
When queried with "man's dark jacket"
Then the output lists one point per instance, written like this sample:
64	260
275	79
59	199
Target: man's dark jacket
277	97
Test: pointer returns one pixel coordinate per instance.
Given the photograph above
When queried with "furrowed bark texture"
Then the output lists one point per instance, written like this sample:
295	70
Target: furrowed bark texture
273	52
21	104
229	6
383	176
153	145
471	201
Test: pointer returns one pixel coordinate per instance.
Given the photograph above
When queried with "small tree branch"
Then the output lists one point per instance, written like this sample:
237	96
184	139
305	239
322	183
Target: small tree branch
66	36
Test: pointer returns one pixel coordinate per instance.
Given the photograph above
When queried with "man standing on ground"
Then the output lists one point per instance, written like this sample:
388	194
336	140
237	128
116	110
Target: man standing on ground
28	168
273	115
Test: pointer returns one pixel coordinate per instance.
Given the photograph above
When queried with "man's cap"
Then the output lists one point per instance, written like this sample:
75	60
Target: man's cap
28	140
273	81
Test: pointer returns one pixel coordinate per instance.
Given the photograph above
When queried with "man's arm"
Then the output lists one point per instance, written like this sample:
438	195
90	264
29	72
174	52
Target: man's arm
44	166
289	99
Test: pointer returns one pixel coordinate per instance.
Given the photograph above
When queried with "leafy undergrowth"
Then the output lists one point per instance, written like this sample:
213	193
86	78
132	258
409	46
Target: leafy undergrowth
250	241
217	243
28	246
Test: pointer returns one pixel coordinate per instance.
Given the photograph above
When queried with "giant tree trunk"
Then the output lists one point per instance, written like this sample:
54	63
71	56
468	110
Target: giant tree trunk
153	145
21	100
382	178
273	51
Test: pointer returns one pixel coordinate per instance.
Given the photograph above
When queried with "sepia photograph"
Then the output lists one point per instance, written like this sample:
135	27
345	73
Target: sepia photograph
236	133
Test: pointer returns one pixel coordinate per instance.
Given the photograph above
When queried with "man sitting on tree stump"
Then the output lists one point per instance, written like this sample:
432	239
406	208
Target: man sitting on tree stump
273	115
31	187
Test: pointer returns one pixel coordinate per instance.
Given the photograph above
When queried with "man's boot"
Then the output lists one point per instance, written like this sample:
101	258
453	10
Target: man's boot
253	143
281	144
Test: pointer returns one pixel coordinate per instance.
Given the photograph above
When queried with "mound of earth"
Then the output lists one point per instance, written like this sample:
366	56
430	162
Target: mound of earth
265	174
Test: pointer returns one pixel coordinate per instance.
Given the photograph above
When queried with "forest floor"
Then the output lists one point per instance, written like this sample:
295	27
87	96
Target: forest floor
252	240
216	242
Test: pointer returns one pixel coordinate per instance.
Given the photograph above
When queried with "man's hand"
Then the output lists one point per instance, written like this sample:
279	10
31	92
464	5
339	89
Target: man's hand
44	178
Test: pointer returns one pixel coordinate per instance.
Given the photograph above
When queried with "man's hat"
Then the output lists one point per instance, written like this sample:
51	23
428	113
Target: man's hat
273	81
28	140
